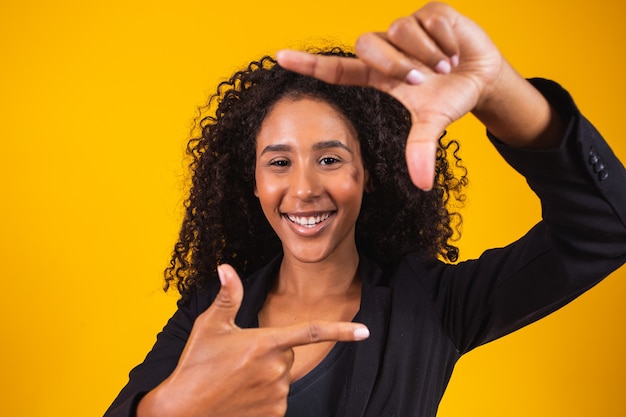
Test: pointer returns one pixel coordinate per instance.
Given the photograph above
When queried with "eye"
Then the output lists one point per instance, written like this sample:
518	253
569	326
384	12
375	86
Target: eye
329	160
279	163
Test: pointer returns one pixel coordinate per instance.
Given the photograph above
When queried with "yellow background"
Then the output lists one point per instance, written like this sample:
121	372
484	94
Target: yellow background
96	102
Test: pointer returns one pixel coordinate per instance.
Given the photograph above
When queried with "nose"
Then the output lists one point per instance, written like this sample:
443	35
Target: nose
305	183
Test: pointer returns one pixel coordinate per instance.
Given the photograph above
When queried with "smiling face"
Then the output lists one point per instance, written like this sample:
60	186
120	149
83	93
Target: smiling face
310	179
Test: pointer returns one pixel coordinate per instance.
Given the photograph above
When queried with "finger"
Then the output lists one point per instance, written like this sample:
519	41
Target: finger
422	43
228	300
438	20
421	151
318	331
420	159
375	50
331	69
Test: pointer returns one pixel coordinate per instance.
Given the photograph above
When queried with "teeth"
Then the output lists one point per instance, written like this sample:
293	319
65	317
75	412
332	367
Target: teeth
308	221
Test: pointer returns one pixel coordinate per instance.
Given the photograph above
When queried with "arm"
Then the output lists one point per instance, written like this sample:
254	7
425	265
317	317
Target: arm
205	365
441	66
161	360
580	241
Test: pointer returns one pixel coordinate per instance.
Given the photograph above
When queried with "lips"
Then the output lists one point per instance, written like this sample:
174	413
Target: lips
309	221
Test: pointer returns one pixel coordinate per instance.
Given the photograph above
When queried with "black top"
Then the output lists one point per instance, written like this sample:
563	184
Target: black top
423	316
316	394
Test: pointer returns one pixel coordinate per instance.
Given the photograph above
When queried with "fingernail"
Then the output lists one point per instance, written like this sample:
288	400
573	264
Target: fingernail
454	60
361	333
220	275
414	77
443	67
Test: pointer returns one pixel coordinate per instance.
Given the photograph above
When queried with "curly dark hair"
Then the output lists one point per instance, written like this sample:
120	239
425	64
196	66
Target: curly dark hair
223	220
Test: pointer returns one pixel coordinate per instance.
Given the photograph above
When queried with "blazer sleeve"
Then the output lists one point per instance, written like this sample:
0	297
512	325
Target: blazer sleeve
580	240
161	360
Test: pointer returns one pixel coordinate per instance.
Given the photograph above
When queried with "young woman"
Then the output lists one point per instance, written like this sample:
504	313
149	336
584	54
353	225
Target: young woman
347	306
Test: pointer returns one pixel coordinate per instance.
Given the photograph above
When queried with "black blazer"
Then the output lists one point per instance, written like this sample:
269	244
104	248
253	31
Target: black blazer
424	315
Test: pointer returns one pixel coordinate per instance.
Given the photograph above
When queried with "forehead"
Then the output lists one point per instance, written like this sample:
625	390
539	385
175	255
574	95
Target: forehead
305	121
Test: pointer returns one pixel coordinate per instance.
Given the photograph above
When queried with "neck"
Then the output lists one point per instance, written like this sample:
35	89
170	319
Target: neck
334	276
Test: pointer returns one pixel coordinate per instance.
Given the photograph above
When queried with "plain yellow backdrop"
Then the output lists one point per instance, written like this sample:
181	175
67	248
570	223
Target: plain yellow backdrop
96	102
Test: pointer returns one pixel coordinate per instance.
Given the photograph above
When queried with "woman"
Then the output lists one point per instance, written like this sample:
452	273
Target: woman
297	184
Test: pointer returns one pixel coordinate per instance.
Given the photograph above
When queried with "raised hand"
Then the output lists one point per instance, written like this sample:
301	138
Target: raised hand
228	371
440	65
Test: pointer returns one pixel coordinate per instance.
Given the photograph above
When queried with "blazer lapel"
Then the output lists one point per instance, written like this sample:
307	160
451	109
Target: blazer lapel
374	313
256	287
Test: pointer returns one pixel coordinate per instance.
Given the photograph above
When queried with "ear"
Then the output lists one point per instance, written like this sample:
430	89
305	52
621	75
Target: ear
256	191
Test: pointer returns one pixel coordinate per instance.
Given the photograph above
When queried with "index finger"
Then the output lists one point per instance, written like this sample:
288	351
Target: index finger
318	331
331	69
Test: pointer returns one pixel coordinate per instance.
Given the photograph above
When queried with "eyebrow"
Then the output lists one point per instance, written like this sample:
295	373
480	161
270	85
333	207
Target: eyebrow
316	147
330	144
276	148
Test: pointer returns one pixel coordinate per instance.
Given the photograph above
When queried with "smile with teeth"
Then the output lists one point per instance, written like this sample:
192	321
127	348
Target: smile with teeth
308	221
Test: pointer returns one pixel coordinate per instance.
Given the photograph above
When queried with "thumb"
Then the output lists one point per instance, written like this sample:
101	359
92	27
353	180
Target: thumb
421	153
228	299
420	159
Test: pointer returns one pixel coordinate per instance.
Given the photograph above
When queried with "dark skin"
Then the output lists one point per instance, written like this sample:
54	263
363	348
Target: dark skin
309	170
282	309
441	66
460	71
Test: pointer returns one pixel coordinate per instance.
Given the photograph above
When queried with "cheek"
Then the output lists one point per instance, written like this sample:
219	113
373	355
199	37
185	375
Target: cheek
352	186
267	191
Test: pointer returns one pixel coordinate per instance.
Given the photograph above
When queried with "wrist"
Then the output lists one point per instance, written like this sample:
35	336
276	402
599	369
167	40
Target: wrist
517	114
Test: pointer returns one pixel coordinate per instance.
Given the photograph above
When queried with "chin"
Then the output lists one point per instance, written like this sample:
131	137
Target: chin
308	257
315	253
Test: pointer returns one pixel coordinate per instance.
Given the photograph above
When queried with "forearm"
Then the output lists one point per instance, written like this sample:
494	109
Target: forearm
583	198
580	241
